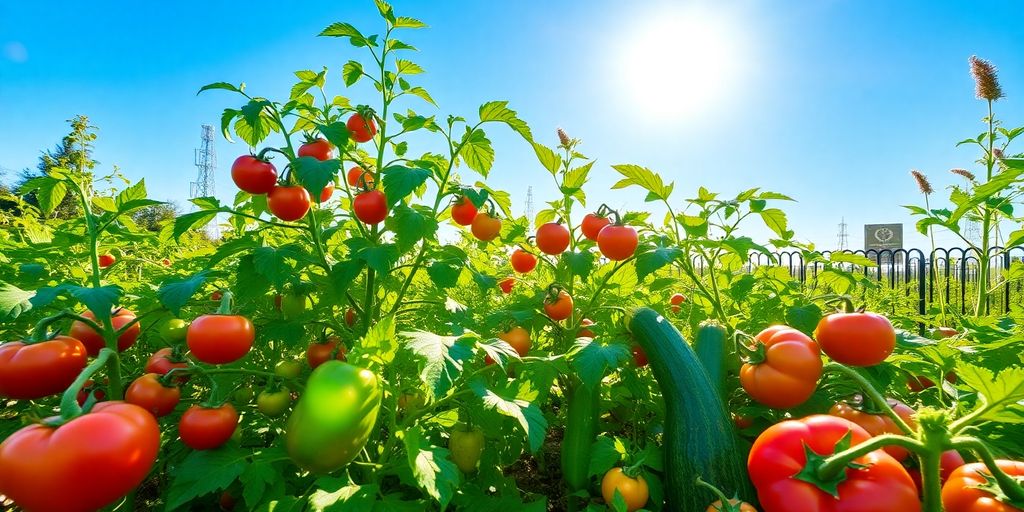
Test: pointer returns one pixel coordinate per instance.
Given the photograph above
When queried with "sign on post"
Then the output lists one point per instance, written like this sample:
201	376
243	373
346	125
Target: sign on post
884	237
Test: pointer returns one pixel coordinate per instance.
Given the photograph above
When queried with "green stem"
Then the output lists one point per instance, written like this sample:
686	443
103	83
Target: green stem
838	462
1007	483
69	408
986	225
872	393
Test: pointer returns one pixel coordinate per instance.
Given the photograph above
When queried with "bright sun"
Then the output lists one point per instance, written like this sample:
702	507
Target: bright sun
680	63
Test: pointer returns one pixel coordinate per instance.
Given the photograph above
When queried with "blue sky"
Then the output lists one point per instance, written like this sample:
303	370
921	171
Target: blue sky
831	102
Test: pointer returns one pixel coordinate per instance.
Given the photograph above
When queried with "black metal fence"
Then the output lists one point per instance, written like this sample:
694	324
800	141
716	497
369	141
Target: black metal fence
950	275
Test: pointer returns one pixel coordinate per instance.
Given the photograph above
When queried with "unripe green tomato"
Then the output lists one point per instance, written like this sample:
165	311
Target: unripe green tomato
243	395
293	306
174	330
466	446
273	404
288	369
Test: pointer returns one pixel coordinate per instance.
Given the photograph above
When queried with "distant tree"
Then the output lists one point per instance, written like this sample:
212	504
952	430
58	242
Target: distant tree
73	153
154	218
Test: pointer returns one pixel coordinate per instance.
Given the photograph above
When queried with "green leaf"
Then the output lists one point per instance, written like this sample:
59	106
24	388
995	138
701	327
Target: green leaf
742	246
336	133
98	300
580	263
477	151
855	259
407	67
314	174
351	72
498	350
431	466
548	158
378	257
411	224
341	277
775	219
423	94
185	222
203	472
605	454
270	263
261	479
648	262
221	85
340	29
1003	392
696	227
499	111
804	318
50	194
13	301
400	182
132	193
644	178
529	416
175	293
591	359
335	494
442	358
253	124
406	22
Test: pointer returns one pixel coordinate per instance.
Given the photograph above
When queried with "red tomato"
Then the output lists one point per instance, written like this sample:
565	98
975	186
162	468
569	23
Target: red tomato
288	203
878	484
741	421
786	371
463	211
147	392
165	262
227	501
485	227
856	339
878	423
677	299
617	242
522	261
944	332
559	308
219	339
93	340
519	338
40	369
83	465
206	428
319	353
357	177
350	317
506	284
920	383
327	192
163	361
639	356
319	149
371	206
966	491
593	224
362	129
584	332
552	238
216	296
90	387
106	260
253	175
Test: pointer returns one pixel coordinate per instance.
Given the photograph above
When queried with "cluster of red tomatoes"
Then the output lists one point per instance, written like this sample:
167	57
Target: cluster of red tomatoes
290	201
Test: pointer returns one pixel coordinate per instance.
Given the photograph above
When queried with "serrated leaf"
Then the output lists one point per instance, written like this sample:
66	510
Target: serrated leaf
855	259
431	466
400	182
644	178
592	359
13	301
499	111
1003	392
529	416
649	261
411	224
351	72
98	300
442	358
203	472
175	293
407	22
476	151
548	158
407	67
423	94
775	219
314	174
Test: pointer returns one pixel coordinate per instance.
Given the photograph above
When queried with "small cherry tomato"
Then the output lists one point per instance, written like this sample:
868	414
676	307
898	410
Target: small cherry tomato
327	192
288	369
522	261
558	306
552	238
485	226
584	332
639	356
519	338
634	491
592	225
219	339
371	206
856	339
94	341
319	353
273	403
289	203
362	128
617	242
149	393
174	330
463	211
318	148
106	260
506	284
253	175
163	361
357	177
206	428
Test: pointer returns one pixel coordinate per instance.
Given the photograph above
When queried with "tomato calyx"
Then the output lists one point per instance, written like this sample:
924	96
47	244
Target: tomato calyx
553	291
823	472
844	304
69	408
726	504
752	351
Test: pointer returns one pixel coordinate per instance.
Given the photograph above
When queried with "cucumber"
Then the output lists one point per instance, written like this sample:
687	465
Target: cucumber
582	412
698	438
709	344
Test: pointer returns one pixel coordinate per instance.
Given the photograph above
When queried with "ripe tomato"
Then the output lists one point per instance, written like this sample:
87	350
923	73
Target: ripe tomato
485	227
677	299
466	446
40	369
82	465
878	423
165	262
639	356
91	388
522	261
288	203
552	238
969	488
617	242
163	361
357	177
253	175
93	340
288	369
584	332
147	392
350	317
558	308
273	403
319	353
856	339
219	339
327	192
593	224
742	421
633	490
785	370
519	338
362	129
174	330
920	383
734	505
206	428
216	296
877	483
106	260
227	501
943	332
371	206
506	284
319	149
463	211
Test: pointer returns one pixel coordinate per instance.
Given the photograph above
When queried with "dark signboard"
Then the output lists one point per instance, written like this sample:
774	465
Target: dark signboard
883	237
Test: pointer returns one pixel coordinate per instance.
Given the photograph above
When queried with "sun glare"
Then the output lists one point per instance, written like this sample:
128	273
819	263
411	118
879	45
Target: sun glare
680	63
